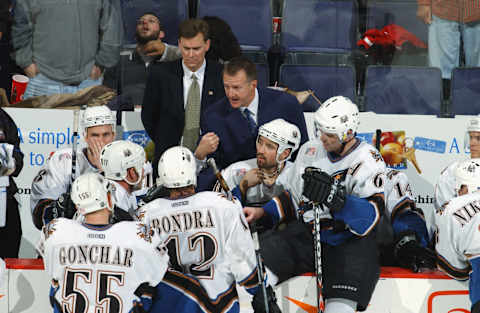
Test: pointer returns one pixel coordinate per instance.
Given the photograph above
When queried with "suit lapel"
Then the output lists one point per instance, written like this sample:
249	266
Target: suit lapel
262	109
178	87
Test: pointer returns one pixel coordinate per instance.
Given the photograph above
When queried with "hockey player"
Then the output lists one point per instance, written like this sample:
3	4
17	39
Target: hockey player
261	181
123	163
345	178
50	198
410	237
96	266
445	186
208	236
457	236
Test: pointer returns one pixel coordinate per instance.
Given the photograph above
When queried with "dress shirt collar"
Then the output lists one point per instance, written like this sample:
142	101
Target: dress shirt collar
253	107
199	73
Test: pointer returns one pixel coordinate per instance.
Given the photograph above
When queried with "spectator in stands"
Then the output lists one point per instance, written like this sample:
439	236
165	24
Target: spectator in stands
224	45
130	75
448	21
178	93
11	163
65	48
236	117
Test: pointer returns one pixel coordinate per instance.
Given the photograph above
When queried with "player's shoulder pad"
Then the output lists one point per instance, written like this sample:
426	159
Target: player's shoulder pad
217	198
58	225
62	155
460	201
450	169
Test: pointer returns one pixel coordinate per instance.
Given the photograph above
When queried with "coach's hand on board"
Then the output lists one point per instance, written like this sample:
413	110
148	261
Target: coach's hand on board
207	145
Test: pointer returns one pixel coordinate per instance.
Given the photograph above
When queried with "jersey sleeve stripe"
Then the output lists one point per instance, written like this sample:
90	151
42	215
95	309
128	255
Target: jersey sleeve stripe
251	280
194	290
452	271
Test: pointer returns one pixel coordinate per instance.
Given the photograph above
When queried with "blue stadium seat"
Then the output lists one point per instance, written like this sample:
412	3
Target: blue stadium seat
171	13
262	75
250	20
465	91
325	81
319	27
403	90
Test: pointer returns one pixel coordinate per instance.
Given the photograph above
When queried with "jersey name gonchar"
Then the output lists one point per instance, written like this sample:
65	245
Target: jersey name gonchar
96	254
182	222
466	213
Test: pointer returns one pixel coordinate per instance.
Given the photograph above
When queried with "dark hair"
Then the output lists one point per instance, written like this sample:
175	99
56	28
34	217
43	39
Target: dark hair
224	45
241	63
192	27
153	14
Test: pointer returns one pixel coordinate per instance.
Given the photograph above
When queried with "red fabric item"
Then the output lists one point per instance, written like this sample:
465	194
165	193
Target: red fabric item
390	35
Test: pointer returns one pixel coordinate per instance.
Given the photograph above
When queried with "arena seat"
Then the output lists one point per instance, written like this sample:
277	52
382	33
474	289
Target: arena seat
402	13
325	81
465	91
262	74
319	32
403	90
250	20
171	13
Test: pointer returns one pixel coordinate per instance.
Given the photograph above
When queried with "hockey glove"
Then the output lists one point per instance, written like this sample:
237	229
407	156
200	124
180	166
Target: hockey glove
321	188
410	254
258	302
153	193
65	206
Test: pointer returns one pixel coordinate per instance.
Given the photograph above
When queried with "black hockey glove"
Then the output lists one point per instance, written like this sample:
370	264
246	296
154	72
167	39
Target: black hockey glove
410	254
258	302
153	193
65	206
320	187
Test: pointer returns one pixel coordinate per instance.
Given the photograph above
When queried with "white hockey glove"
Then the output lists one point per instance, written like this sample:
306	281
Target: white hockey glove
7	161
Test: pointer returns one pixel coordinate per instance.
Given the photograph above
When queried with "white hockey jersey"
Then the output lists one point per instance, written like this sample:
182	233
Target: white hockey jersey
55	176
445	185
260	193
209	238
398	192
98	268
457	236
123	199
361	171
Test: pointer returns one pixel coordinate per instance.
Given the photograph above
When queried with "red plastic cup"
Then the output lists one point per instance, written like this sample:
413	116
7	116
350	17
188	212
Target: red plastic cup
277	24
19	84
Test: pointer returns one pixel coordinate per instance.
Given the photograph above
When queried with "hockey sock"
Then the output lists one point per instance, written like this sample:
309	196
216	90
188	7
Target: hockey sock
339	305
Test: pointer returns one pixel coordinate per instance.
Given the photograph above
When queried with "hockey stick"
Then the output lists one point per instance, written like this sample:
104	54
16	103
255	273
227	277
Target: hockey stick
378	136
253	230
318	254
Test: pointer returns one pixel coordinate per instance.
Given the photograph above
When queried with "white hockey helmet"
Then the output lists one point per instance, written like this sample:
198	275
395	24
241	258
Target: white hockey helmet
96	116
177	168
118	156
472	126
468	174
90	193
337	115
285	134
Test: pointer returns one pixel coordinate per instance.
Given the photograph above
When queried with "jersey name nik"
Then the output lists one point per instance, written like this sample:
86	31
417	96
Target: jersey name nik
95	254
466	213
183	221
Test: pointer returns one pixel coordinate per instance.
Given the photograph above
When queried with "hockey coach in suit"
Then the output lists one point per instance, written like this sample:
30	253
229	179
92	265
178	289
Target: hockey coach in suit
235	118
166	105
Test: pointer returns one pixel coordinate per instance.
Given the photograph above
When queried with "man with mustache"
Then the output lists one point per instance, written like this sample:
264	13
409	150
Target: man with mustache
130	75
235	118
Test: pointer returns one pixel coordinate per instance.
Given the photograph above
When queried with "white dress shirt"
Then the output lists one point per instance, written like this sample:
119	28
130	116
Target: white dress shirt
187	80
252	107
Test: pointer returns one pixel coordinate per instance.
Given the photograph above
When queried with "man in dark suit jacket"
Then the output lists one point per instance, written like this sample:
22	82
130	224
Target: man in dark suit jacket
227	118
168	84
